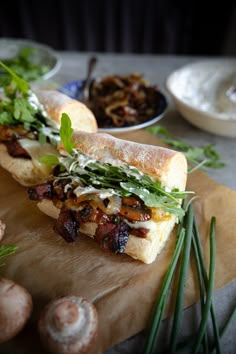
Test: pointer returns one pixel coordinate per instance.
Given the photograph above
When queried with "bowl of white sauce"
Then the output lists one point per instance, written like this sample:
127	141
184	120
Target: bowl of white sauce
204	93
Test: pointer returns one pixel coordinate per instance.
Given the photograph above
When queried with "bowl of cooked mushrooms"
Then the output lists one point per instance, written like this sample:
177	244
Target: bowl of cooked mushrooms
121	103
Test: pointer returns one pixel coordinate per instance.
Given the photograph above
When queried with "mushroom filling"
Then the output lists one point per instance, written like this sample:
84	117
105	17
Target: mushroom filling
112	216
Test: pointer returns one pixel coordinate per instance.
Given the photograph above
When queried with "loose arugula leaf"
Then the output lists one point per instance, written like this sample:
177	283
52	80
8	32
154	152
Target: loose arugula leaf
66	132
201	157
6	251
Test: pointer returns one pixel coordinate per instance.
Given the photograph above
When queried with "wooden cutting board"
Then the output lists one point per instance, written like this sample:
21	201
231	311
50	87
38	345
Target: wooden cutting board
122	289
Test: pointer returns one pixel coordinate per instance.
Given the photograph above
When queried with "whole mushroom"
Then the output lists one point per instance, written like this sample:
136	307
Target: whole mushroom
15	309
68	325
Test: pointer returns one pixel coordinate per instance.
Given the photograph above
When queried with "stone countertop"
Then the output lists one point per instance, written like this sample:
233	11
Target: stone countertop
156	69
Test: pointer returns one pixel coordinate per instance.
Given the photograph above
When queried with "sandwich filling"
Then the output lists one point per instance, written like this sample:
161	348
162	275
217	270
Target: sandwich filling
106	200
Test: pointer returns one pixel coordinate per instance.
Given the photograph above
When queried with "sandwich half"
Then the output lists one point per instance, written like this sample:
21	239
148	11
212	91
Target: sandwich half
125	195
29	128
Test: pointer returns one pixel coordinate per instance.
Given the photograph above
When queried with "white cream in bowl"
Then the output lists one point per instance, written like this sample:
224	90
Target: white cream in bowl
205	94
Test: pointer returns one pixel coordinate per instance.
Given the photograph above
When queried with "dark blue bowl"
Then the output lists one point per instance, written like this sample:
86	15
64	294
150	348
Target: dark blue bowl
73	89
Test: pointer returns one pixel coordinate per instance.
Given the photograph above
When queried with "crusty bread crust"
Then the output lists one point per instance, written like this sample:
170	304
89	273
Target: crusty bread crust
56	103
165	165
143	249
22	170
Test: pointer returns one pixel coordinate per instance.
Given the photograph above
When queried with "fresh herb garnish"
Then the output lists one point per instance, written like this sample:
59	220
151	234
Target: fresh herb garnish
200	157
123	180
6	251
66	132
22	64
50	160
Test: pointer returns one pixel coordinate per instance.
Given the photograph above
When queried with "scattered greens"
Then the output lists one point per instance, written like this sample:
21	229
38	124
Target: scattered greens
23	65
20	106
120	180
188	237
6	251
199	157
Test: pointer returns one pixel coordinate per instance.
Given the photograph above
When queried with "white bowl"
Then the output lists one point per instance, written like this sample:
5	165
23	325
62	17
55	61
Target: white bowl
42	55
204	93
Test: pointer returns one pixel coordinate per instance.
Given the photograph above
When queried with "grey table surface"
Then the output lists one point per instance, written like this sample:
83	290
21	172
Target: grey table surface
156	69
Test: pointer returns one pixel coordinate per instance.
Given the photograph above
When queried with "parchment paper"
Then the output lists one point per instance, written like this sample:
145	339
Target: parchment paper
122	289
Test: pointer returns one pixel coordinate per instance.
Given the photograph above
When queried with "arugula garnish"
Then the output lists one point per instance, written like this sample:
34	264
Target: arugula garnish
200	157
66	132
6	251
122	180
50	160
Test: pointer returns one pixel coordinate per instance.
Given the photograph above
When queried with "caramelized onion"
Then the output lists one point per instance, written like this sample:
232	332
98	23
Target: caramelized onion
110	205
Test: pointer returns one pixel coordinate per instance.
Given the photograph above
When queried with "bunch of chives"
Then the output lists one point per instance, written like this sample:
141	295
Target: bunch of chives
189	240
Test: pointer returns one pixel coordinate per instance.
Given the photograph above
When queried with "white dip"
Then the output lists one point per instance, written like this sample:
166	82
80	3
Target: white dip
210	88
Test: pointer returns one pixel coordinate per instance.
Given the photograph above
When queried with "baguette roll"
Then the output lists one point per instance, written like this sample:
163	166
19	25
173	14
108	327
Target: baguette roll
55	103
30	171
162	164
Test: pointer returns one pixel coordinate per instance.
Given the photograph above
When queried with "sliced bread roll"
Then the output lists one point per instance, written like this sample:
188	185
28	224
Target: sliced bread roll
29	171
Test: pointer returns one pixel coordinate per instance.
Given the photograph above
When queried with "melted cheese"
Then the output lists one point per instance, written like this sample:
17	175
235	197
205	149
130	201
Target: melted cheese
36	150
149	224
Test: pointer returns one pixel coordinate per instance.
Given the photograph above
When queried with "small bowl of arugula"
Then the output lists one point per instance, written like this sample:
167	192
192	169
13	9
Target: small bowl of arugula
29	60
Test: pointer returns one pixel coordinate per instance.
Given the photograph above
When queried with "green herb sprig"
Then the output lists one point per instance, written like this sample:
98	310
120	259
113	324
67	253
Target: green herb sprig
6	251
199	157
66	132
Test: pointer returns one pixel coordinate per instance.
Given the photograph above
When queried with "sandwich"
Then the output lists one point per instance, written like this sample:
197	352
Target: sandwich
29	127
125	195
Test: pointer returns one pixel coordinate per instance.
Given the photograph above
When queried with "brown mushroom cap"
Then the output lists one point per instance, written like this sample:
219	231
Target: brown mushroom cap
15	308
68	325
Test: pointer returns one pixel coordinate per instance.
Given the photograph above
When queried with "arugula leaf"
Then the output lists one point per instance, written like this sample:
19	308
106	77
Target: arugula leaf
66	132
50	160
200	157
6	251
23	111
